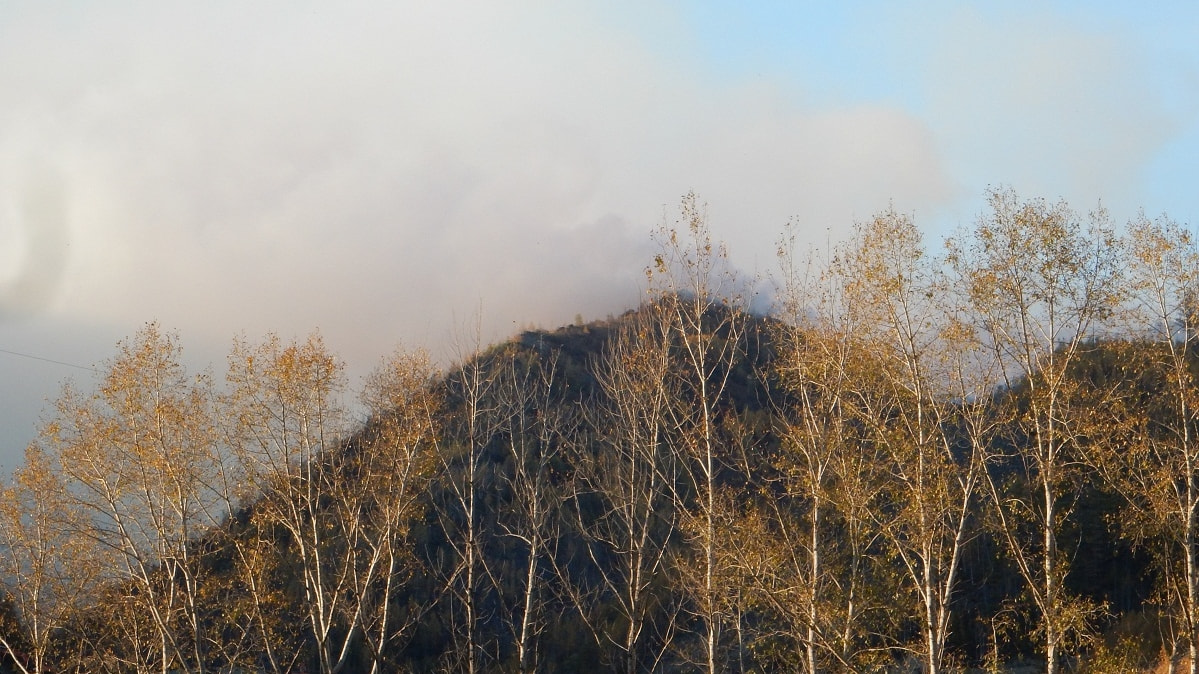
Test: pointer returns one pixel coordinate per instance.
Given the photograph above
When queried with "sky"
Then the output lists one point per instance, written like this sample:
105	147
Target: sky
390	173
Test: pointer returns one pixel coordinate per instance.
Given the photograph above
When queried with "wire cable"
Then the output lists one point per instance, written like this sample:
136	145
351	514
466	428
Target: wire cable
47	360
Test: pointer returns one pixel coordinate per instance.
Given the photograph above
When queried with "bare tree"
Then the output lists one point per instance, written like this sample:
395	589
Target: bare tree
534	424
695	284
1040	281
391	472
818	578
926	414
288	428
49	566
632	473
1157	469
139	457
465	476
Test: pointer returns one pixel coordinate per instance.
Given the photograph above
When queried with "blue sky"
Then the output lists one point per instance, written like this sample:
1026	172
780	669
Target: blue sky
1049	78
381	170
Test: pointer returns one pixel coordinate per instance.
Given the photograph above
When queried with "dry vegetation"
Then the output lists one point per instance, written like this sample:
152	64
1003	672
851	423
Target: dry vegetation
936	461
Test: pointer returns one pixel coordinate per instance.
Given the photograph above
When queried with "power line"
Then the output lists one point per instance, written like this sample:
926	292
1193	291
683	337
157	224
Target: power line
47	360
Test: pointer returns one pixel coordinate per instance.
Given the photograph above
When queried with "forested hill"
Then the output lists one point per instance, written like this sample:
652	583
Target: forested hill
916	462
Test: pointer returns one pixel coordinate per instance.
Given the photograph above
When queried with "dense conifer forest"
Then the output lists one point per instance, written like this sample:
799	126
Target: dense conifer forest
977	457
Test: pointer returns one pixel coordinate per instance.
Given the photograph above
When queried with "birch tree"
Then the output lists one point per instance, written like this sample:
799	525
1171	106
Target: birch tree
1158	468
1040	281
818	578
139	457
466	477
926	415
632	473
535	425
695	283
393	469
288	425
50	564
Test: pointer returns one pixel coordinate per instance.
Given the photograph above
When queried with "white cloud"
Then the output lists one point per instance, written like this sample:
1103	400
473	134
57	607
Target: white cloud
380	169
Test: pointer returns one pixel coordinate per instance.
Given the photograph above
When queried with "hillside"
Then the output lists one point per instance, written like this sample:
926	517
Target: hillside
540	430
884	475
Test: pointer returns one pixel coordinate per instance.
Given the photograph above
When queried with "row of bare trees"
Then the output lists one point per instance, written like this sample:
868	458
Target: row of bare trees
702	490
934	399
157	524
923	400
